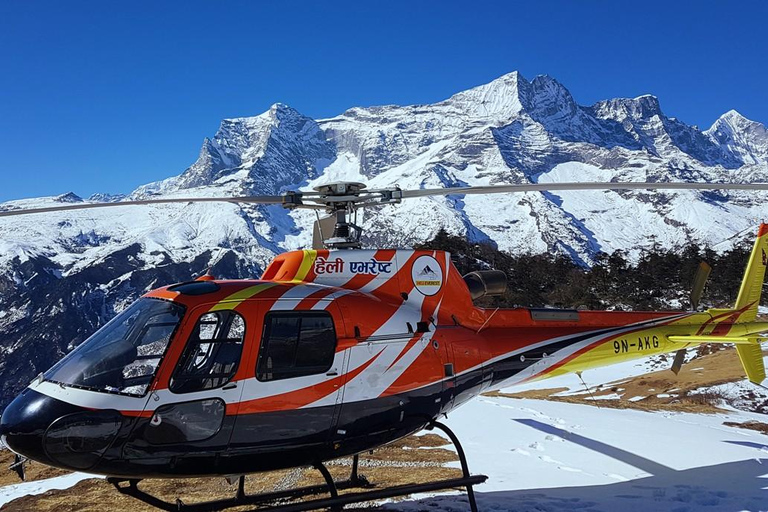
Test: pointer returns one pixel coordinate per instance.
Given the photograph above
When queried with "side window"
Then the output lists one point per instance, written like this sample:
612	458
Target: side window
296	344
212	354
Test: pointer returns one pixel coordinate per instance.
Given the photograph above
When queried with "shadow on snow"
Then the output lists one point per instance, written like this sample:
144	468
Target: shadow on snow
726	487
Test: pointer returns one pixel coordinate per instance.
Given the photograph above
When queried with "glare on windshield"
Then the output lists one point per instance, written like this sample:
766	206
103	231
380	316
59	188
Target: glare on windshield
123	356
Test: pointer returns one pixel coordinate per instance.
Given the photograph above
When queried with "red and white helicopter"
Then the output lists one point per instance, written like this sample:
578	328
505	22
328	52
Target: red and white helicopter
332	352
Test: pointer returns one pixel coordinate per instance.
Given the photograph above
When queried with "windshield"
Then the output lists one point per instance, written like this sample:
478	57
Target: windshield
122	356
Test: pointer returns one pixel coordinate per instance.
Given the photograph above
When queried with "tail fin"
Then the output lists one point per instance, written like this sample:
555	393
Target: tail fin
752	284
751	356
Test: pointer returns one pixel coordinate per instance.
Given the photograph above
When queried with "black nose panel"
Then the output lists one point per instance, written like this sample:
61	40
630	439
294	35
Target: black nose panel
26	419
79	440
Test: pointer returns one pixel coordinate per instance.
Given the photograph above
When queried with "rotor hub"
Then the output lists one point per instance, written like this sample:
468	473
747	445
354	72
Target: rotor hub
341	199
340	188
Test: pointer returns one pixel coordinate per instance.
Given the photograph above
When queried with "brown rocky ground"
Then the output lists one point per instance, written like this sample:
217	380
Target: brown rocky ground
34	471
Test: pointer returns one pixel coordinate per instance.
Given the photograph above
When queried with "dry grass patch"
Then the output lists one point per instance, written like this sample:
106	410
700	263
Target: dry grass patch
749	425
35	471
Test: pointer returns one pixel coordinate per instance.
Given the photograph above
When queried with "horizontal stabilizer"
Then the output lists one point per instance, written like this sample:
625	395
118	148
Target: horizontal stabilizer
736	340
749	350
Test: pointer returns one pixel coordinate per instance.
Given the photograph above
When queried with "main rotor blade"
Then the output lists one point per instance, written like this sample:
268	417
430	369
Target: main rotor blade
88	206
587	185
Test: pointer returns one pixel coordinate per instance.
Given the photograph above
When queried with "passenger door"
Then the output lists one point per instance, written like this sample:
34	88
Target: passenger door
292	401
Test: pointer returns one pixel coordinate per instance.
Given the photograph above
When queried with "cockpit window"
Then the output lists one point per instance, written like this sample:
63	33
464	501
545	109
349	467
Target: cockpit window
123	356
212	354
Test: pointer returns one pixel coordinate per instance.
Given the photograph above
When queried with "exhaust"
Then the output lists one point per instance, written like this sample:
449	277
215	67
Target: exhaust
482	283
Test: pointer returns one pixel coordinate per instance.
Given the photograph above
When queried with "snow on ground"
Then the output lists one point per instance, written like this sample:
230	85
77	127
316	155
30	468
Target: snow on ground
12	492
550	457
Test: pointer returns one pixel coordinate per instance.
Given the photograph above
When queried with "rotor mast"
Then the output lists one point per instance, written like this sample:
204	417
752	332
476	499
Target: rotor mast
341	200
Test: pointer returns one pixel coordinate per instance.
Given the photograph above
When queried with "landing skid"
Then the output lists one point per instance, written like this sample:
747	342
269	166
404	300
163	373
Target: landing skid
336	502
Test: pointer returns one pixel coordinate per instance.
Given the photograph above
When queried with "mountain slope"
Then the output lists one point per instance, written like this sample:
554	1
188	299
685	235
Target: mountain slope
65	274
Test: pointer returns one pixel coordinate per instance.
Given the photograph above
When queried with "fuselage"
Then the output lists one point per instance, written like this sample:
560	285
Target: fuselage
329	354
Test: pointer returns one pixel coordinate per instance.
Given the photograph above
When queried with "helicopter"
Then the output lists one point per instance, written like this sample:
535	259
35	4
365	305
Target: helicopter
333	352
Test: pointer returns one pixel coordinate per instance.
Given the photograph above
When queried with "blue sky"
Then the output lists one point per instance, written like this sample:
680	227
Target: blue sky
105	96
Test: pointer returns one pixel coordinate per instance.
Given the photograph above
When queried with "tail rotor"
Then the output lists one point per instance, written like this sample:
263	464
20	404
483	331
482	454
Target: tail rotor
699	282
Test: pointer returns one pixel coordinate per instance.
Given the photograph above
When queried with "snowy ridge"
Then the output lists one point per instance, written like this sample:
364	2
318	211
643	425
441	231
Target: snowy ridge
62	275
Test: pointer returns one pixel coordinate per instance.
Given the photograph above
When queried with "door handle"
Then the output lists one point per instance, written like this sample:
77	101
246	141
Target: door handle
332	373
233	385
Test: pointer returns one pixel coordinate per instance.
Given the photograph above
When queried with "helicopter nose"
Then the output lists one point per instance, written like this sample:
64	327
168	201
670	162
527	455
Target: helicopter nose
24	422
56	433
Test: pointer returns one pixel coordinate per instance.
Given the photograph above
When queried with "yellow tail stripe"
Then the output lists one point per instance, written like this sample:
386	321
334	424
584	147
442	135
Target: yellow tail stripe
306	264
737	340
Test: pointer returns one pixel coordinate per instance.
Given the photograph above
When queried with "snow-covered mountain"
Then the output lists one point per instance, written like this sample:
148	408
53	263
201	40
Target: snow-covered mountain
62	275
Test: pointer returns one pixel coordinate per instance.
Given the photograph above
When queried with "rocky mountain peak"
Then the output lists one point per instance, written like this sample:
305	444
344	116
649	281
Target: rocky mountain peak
497	101
642	107
733	121
69	197
733	117
742	137
548	94
244	147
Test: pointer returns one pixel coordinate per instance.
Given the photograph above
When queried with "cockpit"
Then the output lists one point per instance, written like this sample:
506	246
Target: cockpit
125	354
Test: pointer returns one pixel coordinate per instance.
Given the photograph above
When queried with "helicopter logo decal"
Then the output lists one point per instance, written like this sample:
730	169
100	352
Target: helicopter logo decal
427	275
369	267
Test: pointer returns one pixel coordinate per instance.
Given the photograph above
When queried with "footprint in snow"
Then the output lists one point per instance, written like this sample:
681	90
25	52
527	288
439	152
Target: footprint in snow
557	439
560	465
534	412
521	452
536	446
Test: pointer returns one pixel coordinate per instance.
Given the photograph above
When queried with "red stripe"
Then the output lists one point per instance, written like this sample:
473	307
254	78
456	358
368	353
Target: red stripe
738	313
300	397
